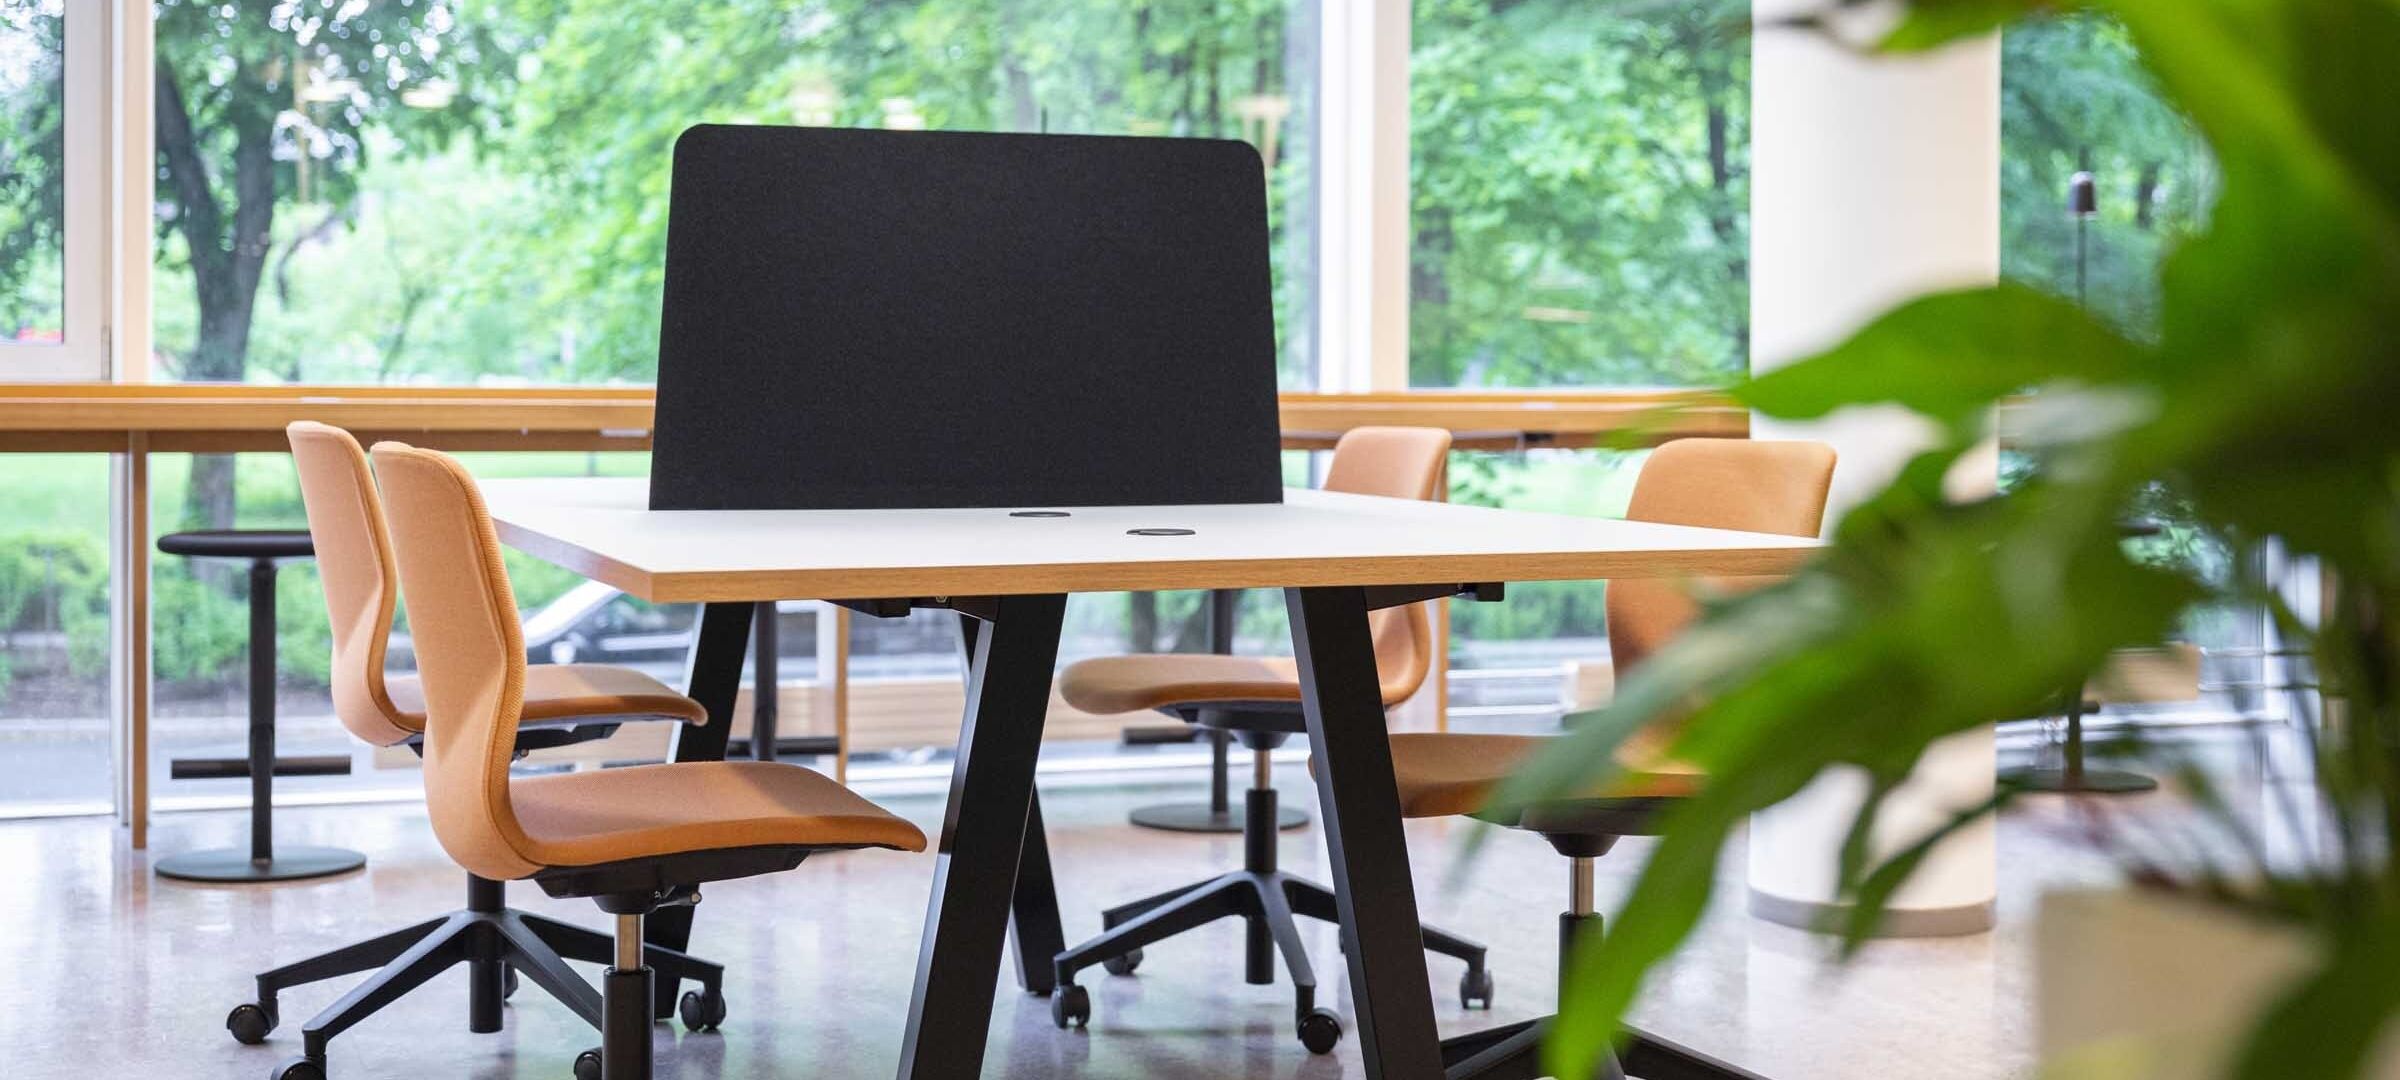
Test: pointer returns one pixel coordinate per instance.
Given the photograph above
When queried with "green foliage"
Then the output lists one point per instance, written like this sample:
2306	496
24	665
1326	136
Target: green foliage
32	187
263	104
195	629
611	87
2074	96
54	582
1581	188
2261	400
518	234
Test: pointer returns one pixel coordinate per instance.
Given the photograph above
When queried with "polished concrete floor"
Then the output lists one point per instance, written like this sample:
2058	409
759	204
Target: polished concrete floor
108	970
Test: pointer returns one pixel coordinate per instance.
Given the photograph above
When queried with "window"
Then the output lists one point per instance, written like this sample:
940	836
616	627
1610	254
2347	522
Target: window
2075	100
473	191
52	246
200	638
451	191
1580	219
54	634
1581	193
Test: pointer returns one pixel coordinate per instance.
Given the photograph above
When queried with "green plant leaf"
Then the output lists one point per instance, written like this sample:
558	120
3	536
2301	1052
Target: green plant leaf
1933	23
1950	356
2331	1019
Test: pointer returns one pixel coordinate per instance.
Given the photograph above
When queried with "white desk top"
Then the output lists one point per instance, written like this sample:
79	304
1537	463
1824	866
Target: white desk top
601	528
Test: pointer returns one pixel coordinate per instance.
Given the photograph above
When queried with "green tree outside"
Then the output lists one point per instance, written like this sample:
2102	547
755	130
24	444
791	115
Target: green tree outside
474	190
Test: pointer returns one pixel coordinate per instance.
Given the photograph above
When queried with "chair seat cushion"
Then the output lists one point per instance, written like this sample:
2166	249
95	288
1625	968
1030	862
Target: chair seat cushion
557	693
610	815
1118	684
1442	774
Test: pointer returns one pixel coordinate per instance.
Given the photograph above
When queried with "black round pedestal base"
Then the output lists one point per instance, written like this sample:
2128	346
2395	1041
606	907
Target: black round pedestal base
1197	817
291	863
2092	782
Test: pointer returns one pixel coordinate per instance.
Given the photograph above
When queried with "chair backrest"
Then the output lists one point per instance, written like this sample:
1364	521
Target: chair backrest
1400	463
462	616
362	591
1747	484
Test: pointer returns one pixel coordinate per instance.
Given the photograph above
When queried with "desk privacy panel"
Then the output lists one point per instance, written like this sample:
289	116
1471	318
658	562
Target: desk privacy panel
874	319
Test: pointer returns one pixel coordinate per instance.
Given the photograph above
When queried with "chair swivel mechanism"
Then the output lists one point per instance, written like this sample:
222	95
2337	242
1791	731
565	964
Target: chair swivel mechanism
1257	701
1770	487
632	839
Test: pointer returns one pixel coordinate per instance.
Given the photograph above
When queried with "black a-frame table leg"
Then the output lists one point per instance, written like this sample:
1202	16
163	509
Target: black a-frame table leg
983	831
715	680
1360	802
1033	907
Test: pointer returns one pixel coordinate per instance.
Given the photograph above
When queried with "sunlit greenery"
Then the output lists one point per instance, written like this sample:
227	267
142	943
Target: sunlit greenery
1580	193
2258	398
473	190
32	190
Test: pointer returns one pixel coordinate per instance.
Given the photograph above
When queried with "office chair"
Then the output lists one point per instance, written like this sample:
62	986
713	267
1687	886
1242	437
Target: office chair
1257	700
1769	487
564	704
632	839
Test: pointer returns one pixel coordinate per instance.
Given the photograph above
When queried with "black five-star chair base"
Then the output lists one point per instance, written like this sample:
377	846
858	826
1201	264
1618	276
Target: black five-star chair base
1271	901
496	942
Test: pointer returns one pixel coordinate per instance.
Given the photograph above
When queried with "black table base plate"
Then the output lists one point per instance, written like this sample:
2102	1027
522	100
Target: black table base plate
1198	818
2093	781
291	863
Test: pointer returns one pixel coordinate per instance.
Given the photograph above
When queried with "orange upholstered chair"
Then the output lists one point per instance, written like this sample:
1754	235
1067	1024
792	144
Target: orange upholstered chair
632	839
564	704
1753	486
561	704
1257	700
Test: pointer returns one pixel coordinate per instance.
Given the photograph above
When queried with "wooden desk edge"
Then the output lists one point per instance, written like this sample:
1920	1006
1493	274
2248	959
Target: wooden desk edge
873	583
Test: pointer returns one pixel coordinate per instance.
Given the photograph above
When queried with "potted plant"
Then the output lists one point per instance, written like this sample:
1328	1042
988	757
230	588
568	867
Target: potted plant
2267	400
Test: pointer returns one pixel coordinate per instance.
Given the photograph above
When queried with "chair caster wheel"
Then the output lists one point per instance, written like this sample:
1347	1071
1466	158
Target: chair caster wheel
1070	1006
702	1010
1320	1031
250	1023
298	1069
587	1065
1123	965
1475	988
508	984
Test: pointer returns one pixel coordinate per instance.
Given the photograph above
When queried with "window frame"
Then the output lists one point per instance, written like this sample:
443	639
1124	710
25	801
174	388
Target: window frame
83	353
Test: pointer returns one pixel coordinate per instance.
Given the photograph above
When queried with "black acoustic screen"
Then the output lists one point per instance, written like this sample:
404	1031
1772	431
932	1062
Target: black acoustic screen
878	319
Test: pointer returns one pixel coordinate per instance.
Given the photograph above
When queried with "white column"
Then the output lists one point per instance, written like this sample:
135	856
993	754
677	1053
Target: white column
1362	196
1874	179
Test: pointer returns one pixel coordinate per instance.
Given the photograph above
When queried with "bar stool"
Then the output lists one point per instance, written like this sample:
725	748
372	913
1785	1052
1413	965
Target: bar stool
261	861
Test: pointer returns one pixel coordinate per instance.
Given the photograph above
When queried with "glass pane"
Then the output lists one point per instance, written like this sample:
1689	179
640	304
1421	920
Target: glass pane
1581	176
476	192
54	634
33	143
2100	178
200	637
2075	101
1518	666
